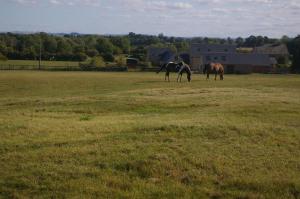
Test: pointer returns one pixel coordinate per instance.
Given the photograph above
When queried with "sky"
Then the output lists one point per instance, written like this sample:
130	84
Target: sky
185	18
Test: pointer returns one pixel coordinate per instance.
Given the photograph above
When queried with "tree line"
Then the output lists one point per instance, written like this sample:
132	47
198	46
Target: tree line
76	47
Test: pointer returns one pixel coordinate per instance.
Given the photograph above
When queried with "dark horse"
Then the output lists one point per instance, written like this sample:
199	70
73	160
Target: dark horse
184	68
215	68
169	67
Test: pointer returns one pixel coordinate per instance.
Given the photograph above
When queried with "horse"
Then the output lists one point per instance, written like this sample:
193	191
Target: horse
183	67
215	68
171	66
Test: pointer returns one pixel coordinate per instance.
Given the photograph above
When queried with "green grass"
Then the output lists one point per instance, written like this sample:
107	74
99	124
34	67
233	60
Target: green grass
131	135
47	64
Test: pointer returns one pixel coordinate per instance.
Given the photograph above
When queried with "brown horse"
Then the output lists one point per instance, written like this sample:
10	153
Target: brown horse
215	68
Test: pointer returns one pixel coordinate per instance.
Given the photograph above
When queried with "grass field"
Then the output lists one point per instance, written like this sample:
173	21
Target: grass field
45	64
131	135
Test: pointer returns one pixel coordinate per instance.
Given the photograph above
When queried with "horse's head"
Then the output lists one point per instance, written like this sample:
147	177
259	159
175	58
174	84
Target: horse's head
189	77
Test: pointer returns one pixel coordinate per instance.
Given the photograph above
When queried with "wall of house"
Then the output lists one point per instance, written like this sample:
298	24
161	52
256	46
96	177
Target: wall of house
247	69
241	69
263	69
227	55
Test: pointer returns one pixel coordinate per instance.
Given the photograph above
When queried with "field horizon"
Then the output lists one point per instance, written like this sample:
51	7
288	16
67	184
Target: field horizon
132	135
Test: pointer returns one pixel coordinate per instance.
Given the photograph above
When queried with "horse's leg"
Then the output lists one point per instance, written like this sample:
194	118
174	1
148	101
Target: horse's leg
221	76
207	75
216	74
166	77
180	77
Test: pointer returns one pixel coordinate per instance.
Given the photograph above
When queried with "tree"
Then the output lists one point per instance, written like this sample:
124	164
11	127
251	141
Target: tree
182	46
29	54
3	48
285	39
109	57
78	49
239	41
64	47
50	44
97	62
92	52
230	41
259	41
79	57
121	43
250	41
104	46
2	57
90	41
294	49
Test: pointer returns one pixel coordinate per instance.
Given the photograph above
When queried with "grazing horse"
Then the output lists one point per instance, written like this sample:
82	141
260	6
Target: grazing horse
183	67
171	66
215	68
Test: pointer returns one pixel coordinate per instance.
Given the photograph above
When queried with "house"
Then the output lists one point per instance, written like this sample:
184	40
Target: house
278	51
184	56
233	61
158	56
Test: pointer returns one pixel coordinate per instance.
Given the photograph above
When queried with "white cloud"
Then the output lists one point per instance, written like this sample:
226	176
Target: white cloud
144	5
26	1
55	2
76	2
170	6
200	17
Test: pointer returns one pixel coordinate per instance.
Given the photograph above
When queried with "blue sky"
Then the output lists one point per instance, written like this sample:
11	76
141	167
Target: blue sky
213	18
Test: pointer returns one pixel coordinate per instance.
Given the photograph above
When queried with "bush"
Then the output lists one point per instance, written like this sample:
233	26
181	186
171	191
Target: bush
2	57
92	53
79	57
108	57
97	62
120	61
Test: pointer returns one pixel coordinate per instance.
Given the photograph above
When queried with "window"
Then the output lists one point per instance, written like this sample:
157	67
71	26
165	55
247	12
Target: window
216	58
223	58
208	58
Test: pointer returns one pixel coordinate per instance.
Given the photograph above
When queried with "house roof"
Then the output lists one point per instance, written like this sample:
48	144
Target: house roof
272	49
160	54
238	59
197	49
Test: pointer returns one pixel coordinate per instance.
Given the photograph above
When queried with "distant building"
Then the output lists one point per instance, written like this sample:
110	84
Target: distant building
158	56
234	62
184	56
277	51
